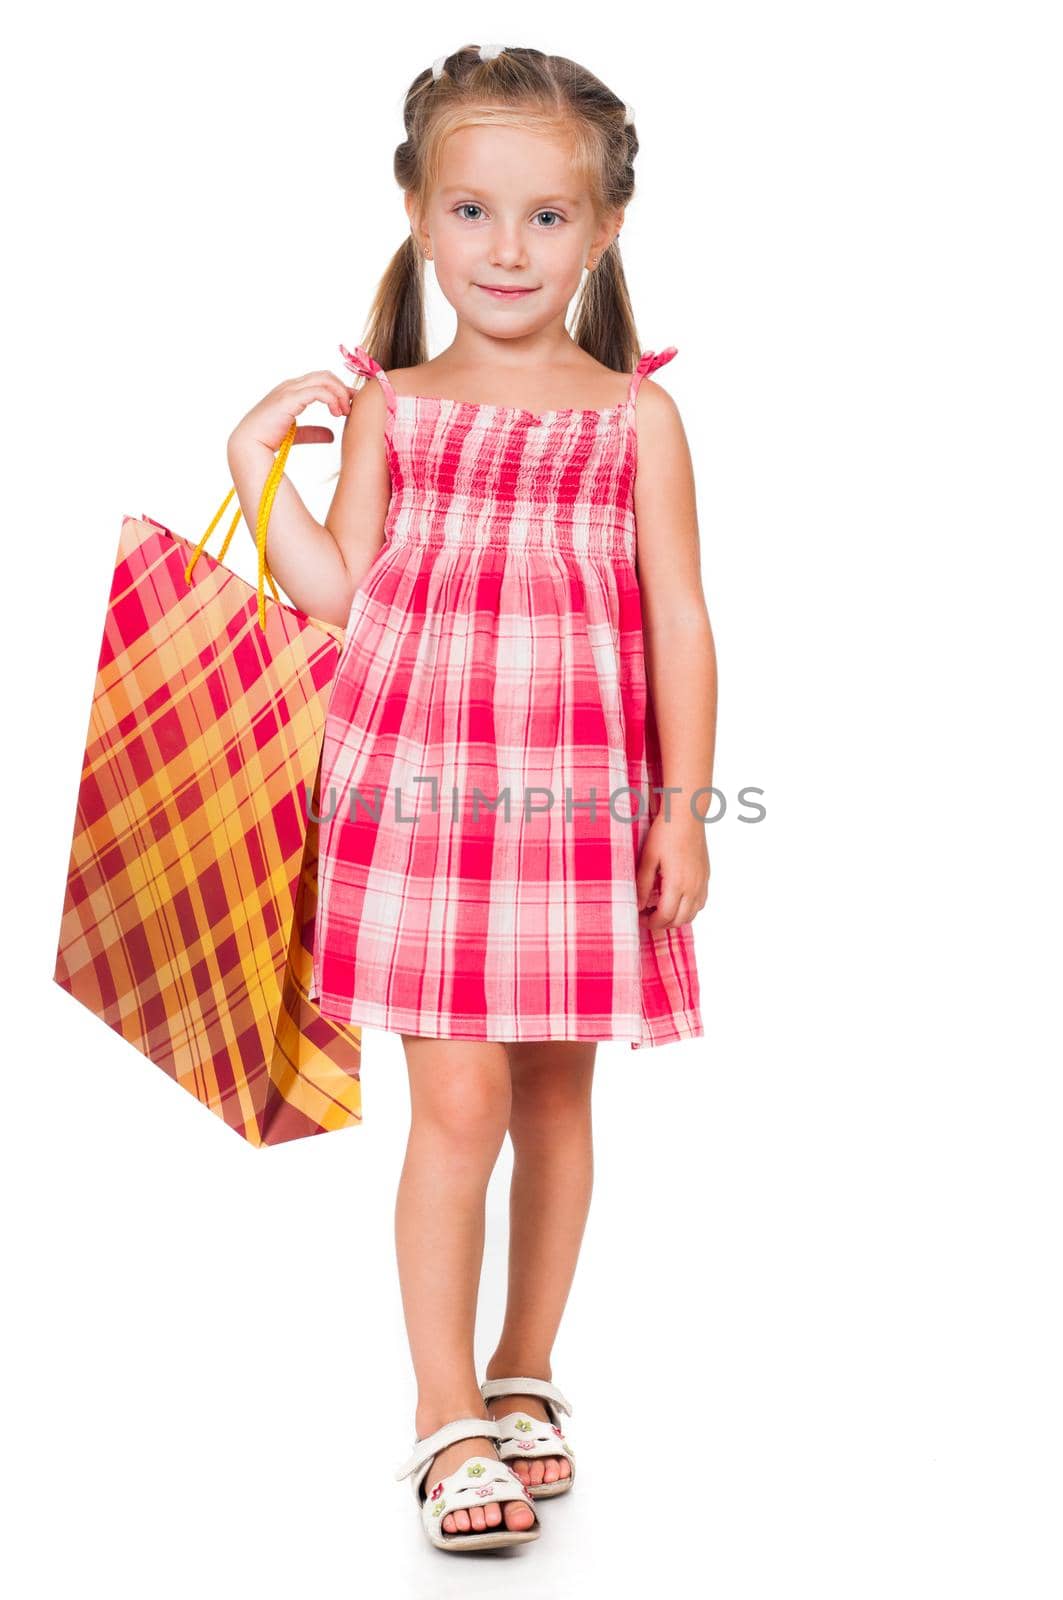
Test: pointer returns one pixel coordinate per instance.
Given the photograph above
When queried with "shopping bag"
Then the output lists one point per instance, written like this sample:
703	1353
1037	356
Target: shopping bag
188	918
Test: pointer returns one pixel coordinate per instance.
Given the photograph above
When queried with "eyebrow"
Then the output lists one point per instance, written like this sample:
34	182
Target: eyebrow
470	188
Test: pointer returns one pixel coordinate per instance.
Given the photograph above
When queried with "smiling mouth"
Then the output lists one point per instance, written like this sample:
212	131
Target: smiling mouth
490	288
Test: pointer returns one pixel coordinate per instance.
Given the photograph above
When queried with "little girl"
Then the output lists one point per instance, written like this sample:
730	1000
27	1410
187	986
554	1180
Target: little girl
518	751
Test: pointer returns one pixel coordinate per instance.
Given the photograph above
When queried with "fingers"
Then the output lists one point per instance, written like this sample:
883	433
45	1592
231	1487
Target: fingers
674	908
324	377
661	915
671	882
305	394
322	386
644	877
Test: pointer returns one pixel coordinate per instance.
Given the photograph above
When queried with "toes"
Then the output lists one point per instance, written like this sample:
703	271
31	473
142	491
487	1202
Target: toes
515	1513
519	1515
540	1469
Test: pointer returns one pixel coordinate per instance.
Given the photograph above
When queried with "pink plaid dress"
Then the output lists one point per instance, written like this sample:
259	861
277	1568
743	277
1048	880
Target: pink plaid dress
490	748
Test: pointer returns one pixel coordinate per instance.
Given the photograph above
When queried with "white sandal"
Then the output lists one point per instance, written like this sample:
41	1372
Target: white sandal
478	1480
527	1436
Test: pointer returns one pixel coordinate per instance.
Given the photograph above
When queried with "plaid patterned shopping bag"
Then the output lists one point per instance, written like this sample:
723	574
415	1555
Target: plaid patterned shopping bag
189	911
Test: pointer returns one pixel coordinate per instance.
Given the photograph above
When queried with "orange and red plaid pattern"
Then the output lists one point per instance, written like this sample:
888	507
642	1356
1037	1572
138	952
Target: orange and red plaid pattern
191	894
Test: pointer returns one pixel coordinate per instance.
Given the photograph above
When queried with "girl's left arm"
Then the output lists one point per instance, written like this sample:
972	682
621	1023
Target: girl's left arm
680	662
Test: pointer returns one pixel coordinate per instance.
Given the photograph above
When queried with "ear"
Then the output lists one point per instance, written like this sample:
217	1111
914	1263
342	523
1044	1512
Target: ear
608	230
413	215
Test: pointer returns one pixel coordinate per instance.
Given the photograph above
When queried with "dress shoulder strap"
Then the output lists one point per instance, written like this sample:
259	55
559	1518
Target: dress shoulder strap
360	360
649	361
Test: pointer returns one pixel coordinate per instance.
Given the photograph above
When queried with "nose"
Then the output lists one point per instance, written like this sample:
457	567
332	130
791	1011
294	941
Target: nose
507	248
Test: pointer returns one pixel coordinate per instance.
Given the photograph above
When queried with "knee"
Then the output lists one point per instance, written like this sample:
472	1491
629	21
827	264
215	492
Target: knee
551	1107
464	1103
551	1083
470	1116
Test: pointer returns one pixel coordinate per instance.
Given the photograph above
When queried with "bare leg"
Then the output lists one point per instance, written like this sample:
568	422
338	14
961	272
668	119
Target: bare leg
550	1194
460	1103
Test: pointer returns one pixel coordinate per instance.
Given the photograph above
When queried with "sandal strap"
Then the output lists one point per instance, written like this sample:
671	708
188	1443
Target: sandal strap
475	1482
537	1386
461	1428
527	1437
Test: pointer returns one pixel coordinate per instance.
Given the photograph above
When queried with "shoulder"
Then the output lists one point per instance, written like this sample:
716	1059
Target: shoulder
367	402
400	380
660	426
654	401
412	380
365	424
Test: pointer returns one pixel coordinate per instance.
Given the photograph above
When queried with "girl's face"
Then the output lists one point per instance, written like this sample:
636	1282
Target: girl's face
508	211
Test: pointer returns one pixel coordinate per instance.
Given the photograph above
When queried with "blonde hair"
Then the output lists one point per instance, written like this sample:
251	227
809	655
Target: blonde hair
517	87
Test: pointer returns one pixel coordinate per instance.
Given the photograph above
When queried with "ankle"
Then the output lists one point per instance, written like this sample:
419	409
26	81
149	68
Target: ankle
519	1366
433	1412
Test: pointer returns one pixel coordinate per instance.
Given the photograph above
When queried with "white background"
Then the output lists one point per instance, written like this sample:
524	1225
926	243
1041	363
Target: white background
814	1339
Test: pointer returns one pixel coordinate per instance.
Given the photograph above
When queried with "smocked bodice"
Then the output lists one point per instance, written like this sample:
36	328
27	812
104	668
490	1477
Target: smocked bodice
465	473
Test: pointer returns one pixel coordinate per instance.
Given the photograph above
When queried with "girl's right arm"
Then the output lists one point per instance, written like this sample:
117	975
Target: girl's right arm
319	566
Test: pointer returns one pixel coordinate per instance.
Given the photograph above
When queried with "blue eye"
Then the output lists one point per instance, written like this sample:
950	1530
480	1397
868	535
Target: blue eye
473	205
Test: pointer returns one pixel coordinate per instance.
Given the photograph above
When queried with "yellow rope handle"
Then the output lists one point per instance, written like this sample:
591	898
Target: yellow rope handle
265	506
